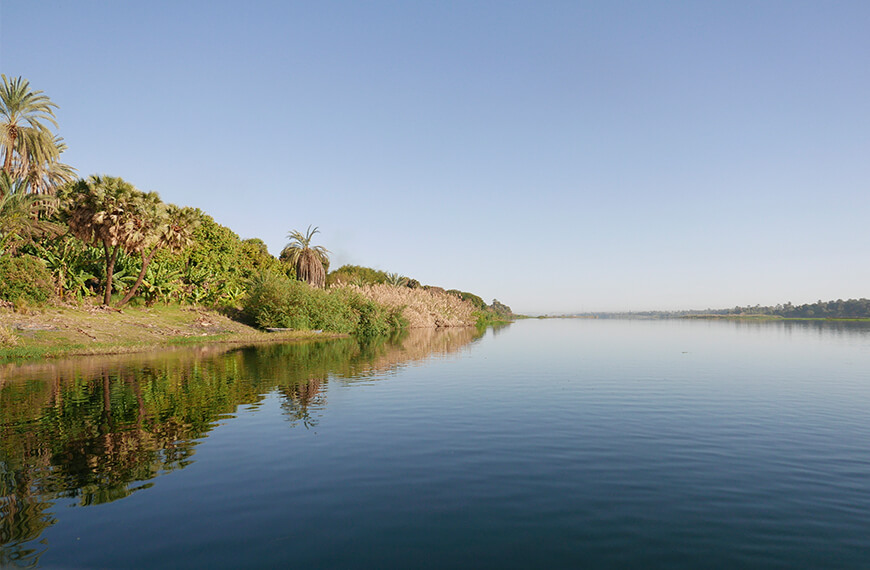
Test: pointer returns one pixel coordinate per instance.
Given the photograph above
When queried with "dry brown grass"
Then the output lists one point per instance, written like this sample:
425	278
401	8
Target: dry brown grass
8	337
422	308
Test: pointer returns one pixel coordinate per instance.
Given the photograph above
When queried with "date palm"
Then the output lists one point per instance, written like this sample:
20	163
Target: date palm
41	169
23	117
311	262
397	280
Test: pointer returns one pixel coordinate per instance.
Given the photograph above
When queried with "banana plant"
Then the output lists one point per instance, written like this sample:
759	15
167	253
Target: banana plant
65	265
232	296
160	284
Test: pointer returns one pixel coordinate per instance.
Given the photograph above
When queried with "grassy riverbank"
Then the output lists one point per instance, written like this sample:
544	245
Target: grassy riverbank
56	331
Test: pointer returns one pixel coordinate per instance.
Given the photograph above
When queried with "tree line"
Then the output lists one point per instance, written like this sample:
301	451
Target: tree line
839	309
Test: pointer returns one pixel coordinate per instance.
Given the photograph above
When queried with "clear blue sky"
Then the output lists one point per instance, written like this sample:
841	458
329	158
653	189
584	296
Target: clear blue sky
558	156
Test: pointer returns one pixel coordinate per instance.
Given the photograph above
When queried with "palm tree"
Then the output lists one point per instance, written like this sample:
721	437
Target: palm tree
23	114
310	262
41	168
397	280
107	211
166	226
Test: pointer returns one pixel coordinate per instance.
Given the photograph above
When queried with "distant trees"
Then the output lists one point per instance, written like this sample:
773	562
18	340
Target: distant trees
839	309
311	262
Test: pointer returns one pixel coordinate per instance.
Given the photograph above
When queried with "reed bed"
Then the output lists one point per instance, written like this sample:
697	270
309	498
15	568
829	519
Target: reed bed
422	308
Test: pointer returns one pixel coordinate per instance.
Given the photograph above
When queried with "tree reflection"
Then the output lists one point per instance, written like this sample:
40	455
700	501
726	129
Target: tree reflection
299	397
92	431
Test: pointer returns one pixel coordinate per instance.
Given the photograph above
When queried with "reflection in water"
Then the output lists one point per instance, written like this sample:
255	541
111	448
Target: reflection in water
96	430
821	327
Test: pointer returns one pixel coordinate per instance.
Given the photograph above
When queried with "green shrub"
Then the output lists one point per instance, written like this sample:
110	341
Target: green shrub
25	278
269	296
275	301
356	275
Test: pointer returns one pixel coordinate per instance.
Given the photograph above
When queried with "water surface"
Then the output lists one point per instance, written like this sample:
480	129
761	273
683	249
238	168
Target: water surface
556	443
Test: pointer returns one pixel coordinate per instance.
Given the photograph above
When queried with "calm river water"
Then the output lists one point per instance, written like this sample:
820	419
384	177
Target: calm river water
545	444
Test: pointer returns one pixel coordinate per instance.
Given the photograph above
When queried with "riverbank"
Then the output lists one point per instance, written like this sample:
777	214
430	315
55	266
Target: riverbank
59	331
775	318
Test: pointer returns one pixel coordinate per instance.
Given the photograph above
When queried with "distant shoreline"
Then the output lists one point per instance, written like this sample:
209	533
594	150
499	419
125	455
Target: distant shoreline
641	317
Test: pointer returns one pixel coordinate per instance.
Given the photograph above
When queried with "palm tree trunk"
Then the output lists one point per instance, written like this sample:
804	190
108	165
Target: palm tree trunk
7	161
146	260
110	271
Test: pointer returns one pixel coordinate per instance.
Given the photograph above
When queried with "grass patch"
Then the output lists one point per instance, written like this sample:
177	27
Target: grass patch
59	331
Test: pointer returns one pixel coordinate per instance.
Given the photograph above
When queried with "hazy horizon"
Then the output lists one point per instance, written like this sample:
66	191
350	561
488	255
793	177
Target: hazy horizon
561	157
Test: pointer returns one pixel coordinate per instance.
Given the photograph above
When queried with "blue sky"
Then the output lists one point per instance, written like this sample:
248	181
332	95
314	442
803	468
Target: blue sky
558	156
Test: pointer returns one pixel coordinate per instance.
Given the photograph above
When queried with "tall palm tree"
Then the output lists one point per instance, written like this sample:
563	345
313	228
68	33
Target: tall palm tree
23	117
311	262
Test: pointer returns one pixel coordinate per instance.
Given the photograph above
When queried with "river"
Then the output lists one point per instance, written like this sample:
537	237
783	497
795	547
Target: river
547	444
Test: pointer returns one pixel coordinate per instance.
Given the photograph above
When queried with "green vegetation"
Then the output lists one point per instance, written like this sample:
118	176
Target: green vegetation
357	275
276	301
56	330
109	213
25	278
20	215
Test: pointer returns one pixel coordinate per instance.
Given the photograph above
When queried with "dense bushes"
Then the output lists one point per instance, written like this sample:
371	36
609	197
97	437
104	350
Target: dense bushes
276	301
25	278
357	275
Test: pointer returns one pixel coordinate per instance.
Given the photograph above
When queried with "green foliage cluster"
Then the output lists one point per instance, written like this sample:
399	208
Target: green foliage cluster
216	268
276	301
25	278
357	275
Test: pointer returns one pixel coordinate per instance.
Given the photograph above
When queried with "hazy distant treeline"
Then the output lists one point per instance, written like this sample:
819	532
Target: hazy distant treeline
839	309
